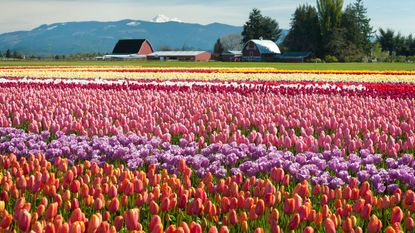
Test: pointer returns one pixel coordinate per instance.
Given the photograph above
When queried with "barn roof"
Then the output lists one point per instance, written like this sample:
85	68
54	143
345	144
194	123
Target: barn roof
175	53
266	46
128	46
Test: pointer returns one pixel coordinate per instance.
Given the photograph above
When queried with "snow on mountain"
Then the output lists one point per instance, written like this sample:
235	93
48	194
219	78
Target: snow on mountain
163	19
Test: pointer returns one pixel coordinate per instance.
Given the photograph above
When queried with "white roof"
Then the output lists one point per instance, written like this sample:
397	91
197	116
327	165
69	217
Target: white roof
175	53
266	46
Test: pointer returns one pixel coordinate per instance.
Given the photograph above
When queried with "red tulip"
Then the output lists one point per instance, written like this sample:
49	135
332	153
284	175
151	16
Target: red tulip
153	208
118	222
289	206
131	219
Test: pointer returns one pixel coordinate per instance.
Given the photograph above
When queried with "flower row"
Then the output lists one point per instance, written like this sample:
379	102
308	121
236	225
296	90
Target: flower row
330	168
42	197
136	69
209	74
209	114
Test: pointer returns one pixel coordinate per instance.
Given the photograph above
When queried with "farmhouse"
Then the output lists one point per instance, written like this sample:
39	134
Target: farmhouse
131	49
260	50
180	56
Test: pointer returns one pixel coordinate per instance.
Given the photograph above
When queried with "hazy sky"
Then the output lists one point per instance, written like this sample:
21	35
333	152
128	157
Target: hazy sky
28	14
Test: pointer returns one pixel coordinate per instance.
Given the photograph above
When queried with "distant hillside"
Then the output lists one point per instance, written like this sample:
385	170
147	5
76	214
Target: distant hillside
74	37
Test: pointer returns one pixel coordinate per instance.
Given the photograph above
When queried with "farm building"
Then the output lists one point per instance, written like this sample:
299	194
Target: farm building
295	56
131	49
180	56
231	55
260	50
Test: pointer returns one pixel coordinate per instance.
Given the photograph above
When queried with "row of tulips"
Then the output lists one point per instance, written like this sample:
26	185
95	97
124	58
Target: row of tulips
330	168
39	196
217	114
208	74
201	70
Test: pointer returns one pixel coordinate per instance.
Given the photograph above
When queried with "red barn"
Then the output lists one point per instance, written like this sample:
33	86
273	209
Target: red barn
133	46
260	50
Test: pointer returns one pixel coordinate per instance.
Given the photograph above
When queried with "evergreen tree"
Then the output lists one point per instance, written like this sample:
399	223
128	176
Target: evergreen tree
259	26
387	40
8	54
305	32
218	48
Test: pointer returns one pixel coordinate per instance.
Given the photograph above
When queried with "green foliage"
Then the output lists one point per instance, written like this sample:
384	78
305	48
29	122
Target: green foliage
396	44
260	26
305	32
330	59
330	14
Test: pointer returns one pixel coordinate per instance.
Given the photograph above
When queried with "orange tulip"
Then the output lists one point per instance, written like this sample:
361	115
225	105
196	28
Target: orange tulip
366	210
224	229
364	188
50	228
260	207
6	220
375	225
390	229
409	223
24	218
195	228
165	203
93	223
259	230
114	205
233	217
213	229
155	220
289	205
397	215
294	222
308	230
131	219
118	222
329	226
347	225
153	208
98	204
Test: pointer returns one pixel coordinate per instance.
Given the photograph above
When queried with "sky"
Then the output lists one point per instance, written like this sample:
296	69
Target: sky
28	14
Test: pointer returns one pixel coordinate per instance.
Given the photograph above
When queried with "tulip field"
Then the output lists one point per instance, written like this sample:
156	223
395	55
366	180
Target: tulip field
173	149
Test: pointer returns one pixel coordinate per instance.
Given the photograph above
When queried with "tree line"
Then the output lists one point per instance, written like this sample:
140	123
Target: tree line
331	32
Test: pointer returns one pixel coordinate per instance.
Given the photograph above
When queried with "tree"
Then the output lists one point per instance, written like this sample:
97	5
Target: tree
218	49
260	26
357	24
387	40
8	54
305	32
330	14
232	42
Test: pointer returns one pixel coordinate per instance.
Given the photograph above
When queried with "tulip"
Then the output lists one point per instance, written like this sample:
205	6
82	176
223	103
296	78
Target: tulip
397	215
375	225
93	223
294	222
24	220
308	230
153	208
114	205
329	226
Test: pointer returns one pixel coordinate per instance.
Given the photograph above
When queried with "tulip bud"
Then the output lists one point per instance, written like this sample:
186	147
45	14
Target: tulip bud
397	215
329	226
131	219
294	222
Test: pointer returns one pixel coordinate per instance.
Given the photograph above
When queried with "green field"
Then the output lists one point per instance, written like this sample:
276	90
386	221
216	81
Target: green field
281	66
